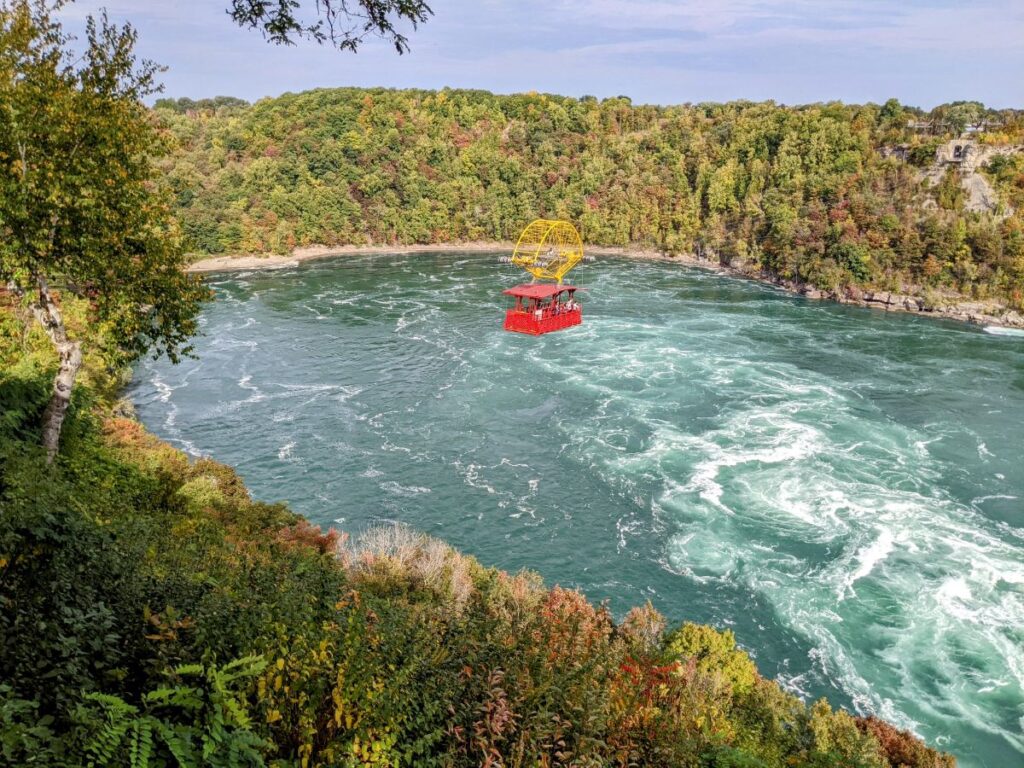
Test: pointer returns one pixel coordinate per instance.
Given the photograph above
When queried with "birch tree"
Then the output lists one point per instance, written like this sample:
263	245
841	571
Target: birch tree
80	207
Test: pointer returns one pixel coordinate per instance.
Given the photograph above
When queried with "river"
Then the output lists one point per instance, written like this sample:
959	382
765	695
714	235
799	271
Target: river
841	487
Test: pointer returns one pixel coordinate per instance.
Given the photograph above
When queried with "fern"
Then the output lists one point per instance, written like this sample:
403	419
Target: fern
206	724
106	741
177	744
142	743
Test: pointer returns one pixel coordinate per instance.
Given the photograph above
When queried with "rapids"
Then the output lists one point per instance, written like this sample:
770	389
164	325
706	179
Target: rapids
841	487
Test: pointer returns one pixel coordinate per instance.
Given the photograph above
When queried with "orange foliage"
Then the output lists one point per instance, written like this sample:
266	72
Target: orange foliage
572	628
306	535
130	439
901	748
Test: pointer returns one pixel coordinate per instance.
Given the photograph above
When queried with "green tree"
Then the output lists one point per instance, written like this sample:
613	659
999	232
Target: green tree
80	209
891	112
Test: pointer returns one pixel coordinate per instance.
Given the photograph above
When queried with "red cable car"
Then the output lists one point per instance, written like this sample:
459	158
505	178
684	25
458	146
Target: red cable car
547	250
542	308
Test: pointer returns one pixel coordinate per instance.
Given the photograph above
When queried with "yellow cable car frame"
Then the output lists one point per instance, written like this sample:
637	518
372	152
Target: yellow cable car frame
548	249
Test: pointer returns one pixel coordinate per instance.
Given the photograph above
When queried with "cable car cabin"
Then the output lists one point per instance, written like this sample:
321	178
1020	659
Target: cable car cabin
541	308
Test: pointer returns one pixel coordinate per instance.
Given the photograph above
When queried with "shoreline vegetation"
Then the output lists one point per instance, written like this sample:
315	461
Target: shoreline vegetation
946	306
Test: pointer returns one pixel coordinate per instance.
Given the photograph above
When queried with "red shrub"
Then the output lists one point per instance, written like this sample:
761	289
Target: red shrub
305	534
901	748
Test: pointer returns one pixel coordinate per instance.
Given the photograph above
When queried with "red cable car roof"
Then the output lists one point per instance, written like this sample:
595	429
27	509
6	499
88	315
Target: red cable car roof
538	290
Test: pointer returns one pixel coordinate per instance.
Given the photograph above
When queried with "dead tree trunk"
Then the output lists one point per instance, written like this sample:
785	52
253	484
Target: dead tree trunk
69	353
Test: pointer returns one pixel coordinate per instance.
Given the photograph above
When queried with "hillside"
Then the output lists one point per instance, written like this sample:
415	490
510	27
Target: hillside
827	195
152	613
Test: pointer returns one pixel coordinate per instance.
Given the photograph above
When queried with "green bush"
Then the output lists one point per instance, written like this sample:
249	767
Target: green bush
713	652
201	719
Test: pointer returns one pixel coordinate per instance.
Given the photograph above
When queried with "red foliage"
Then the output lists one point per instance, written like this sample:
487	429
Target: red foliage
572	627
496	721
306	535
839	212
901	748
460	138
649	679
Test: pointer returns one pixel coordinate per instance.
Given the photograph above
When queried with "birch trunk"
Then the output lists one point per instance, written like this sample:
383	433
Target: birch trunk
69	352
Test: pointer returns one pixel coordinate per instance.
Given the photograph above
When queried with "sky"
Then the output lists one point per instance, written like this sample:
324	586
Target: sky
922	52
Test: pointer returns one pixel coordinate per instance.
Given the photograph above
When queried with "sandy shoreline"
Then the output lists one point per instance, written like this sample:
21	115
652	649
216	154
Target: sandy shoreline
247	261
978	313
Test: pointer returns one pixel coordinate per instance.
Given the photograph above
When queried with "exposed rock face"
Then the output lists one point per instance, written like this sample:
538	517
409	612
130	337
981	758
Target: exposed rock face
977	312
980	195
968	156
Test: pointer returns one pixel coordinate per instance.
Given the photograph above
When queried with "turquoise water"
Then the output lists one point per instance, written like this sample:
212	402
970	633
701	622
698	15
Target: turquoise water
841	487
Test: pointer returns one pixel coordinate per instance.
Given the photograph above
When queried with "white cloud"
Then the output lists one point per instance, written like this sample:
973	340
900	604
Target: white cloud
921	51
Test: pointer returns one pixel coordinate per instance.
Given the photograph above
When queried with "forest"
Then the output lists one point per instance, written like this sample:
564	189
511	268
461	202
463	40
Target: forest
829	195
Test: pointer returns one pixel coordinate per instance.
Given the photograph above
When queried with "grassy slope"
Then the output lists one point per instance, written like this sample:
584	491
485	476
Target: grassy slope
128	568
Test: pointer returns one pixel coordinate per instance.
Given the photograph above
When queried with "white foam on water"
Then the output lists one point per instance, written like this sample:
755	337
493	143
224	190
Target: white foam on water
990	497
942	597
627	527
165	396
910	587
316	312
998	330
390	486
867	558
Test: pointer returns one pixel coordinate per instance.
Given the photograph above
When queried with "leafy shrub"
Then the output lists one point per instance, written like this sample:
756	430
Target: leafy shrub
206	723
901	748
713	652
26	737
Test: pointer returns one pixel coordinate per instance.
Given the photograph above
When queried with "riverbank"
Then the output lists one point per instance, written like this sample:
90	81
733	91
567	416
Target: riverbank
246	261
948	306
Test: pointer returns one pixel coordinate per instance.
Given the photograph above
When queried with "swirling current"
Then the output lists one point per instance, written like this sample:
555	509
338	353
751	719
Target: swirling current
841	487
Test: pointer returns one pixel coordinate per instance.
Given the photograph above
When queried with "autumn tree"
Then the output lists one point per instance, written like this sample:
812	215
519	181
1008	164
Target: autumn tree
81	211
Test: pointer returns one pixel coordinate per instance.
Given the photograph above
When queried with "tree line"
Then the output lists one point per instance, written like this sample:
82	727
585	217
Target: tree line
805	193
